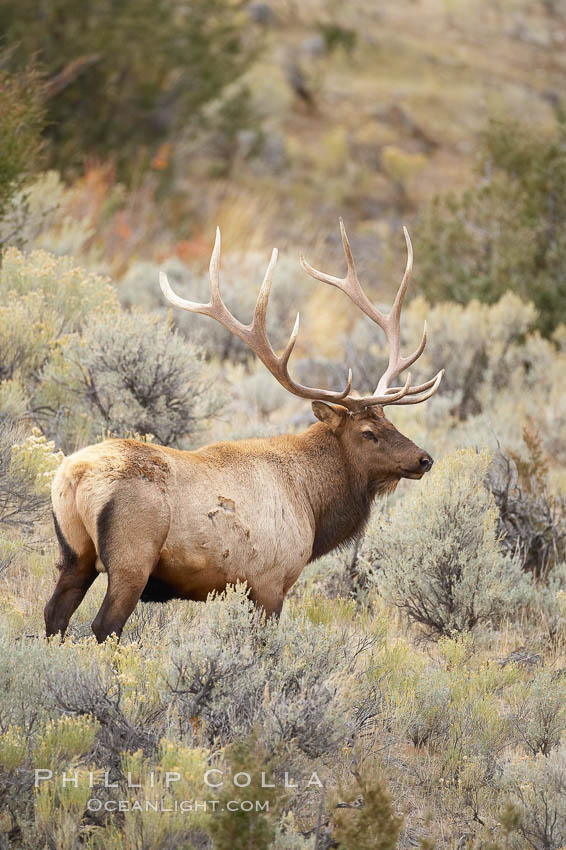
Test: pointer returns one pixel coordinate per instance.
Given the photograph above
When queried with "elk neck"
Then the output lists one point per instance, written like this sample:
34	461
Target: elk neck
340	495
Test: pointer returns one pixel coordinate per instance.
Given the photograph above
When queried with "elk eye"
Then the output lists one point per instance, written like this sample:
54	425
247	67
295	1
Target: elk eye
369	435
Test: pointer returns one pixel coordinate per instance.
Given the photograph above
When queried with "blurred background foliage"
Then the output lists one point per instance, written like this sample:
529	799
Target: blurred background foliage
507	232
421	671
117	77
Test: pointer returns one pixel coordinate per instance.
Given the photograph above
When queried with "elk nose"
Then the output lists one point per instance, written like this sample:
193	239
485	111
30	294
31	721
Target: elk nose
426	462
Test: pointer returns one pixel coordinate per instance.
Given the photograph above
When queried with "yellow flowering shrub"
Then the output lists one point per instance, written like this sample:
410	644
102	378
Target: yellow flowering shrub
36	459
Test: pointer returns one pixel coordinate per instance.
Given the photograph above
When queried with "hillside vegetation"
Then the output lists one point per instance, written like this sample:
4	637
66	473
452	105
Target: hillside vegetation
420	674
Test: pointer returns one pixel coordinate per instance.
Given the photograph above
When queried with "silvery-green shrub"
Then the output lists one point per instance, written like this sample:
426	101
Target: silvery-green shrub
532	518
436	556
546	603
131	374
537	711
240	280
234	672
536	788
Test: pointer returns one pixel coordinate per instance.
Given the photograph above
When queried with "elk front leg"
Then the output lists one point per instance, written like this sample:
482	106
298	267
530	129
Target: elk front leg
269	600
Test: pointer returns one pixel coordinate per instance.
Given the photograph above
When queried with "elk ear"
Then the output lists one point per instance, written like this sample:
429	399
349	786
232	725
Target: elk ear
333	415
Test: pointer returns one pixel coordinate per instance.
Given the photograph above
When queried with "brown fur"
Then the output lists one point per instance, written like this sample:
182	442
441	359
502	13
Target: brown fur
171	524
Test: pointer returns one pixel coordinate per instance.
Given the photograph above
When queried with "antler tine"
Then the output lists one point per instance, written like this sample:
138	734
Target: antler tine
254	334
215	303
414	390
390	324
214	270
260	311
398	363
350	284
398	303
174	299
258	341
340	282
287	351
412	398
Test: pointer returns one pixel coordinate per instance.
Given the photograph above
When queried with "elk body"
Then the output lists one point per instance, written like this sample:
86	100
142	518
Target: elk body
168	524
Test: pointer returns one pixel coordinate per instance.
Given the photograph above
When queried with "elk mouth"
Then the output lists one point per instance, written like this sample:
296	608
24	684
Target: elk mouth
412	473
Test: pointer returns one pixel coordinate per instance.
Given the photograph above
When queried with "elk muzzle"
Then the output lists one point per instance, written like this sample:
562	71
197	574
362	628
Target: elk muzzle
423	464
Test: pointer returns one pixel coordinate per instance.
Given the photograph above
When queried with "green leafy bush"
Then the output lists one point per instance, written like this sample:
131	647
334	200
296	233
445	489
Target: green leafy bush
68	290
42	298
148	66
364	815
437	556
13	747
242	829
507	232
64	739
36	458
21	124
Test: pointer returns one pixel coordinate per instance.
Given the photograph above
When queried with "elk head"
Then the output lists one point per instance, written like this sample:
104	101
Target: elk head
374	447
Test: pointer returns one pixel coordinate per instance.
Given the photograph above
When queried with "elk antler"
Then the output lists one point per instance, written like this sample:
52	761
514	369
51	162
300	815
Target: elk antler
390	324
254	334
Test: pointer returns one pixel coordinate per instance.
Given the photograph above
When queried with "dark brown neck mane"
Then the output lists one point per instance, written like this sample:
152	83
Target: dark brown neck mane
340	499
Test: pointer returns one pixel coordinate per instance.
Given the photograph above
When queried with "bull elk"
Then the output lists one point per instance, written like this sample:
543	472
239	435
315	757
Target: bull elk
167	524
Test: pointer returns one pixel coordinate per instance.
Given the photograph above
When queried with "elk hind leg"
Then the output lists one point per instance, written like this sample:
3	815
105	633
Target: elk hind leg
121	598
129	558
77	573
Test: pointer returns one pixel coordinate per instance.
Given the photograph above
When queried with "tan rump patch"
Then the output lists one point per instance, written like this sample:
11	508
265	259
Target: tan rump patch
118	459
140	460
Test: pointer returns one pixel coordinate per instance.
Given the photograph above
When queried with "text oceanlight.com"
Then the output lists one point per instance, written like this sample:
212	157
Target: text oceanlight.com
174	806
